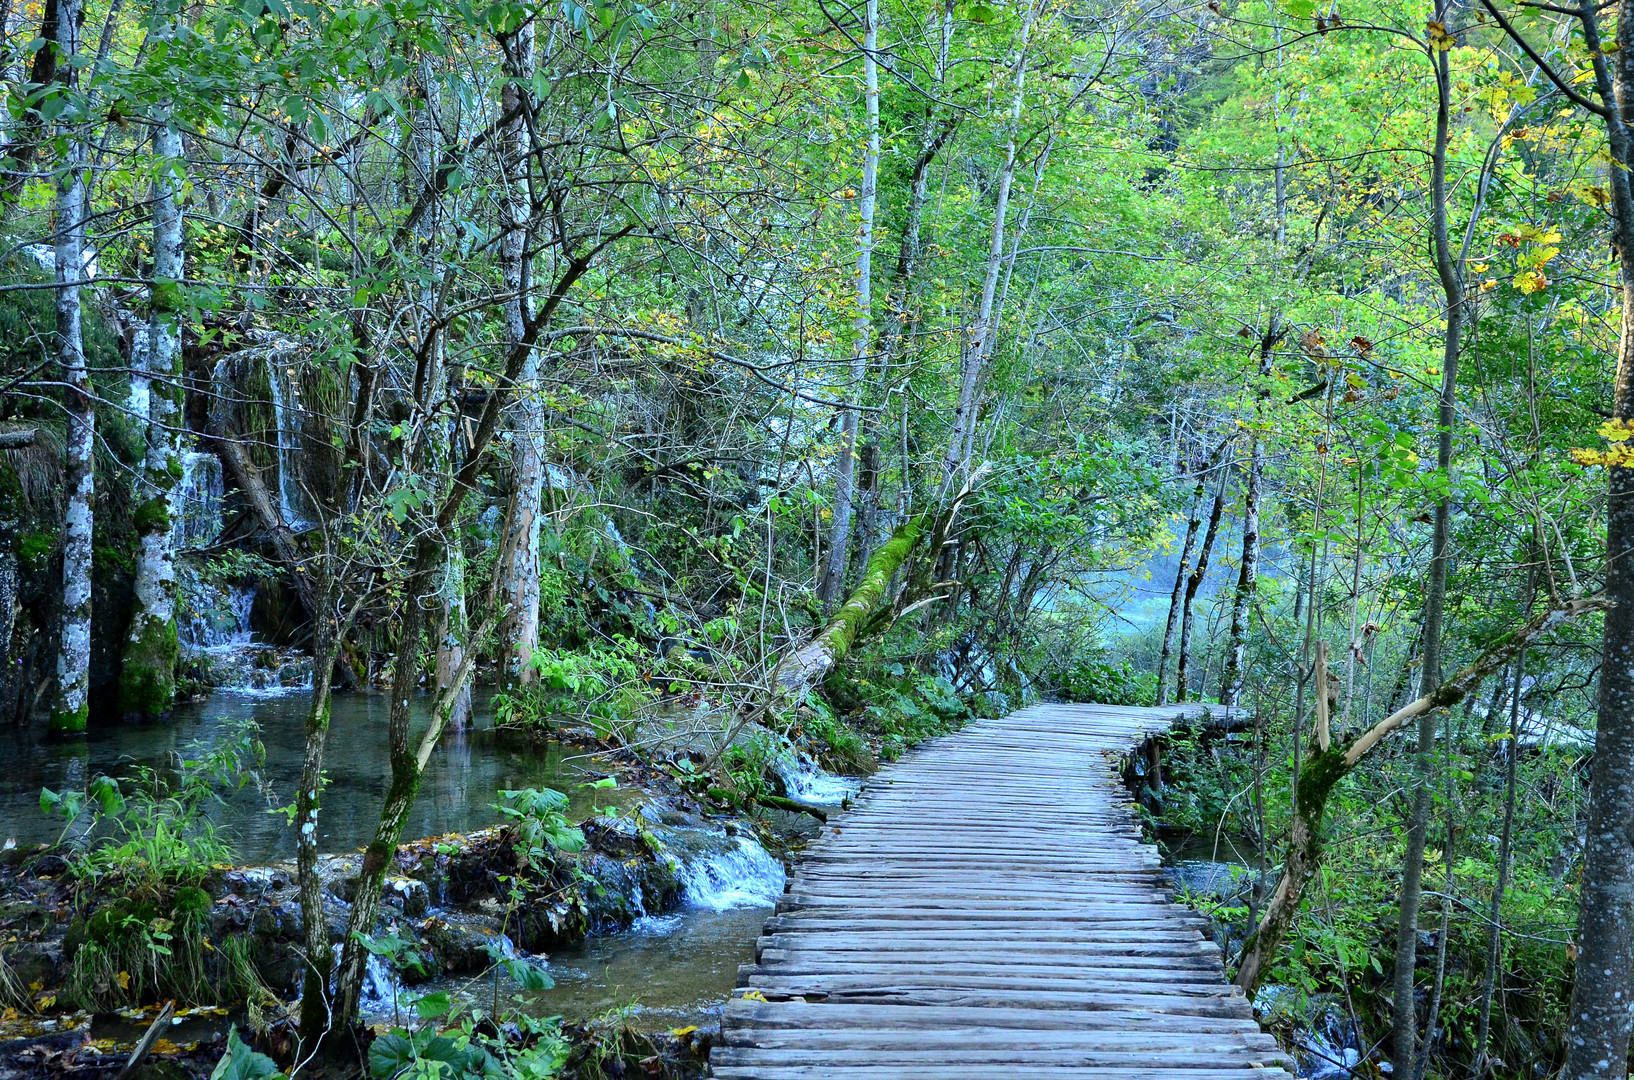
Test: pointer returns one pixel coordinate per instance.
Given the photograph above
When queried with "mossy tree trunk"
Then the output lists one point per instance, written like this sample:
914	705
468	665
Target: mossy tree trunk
147	675
315	1001
70	704
1323	768
805	667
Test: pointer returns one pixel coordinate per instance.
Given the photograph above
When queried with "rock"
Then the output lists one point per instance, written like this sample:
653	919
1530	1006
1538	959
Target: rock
252	882
460	945
36	962
412	896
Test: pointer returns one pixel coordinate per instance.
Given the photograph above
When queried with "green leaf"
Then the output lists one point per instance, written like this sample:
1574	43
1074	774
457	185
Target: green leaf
433	1005
242	1063
388	1055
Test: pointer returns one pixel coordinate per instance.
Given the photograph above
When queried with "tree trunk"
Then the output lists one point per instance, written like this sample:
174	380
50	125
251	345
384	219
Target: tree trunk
806	666
1598	1025
519	589
70	705
839	537
1321	769
1494	940
1404	1020
315	1002
1193	583
1194	525
978	348
147	676
1236	665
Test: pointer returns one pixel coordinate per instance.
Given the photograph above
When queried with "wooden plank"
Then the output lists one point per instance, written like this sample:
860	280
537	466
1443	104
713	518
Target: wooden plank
988	904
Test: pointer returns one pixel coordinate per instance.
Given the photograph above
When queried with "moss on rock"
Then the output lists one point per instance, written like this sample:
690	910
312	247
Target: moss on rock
147	678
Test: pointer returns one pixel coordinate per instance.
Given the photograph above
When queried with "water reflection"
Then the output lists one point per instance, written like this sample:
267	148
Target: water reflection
456	795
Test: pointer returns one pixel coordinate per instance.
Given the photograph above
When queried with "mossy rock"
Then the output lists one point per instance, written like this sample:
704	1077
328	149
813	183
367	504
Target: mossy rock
147	675
151	516
34	551
191	905
109	923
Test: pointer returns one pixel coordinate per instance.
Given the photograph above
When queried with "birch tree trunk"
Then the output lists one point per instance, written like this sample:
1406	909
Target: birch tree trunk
70	705
1248	571
1193	583
519	586
839	536
979	346
1194	524
147	676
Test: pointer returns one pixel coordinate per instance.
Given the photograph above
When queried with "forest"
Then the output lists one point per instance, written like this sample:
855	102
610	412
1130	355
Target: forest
482	482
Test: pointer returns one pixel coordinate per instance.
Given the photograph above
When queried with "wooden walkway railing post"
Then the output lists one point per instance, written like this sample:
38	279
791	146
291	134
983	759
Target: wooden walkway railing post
988	904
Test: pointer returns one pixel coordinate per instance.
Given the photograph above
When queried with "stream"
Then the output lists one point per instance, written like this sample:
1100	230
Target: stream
1213	870
678	966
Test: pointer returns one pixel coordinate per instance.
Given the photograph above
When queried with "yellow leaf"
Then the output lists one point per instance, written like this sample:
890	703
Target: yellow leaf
754	995
1615	430
1530	281
124	980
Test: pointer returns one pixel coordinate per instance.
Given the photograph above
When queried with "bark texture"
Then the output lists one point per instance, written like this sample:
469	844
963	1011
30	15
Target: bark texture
70	703
519	585
147	677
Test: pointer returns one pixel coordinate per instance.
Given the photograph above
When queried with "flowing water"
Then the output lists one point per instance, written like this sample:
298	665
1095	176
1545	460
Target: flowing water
679	967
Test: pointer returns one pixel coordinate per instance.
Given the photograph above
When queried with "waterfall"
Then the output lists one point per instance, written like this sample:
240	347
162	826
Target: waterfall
286	410
736	874
197	519
810	784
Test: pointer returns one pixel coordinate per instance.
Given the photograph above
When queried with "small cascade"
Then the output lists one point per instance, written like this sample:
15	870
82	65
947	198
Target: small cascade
286	409
810	784
218	646
731	872
379	997
197	519
212	616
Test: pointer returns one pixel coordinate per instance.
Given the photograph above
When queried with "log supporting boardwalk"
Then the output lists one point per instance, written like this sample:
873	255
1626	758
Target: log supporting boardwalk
987	910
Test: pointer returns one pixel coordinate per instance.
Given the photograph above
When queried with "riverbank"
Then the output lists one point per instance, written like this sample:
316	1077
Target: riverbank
637	934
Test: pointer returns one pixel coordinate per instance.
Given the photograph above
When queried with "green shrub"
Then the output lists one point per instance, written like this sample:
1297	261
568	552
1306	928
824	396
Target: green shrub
1102	682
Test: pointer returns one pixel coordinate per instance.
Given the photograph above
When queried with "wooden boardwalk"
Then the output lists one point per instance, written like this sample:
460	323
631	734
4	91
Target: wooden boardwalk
987	910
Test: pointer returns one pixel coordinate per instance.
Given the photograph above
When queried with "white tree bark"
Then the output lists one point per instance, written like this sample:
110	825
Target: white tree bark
147	678
839	536
519	586
70	705
979	345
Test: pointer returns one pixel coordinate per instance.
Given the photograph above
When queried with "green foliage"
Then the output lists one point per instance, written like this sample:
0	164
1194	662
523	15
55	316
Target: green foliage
604	685
1099	680
539	825
151	832
242	1063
